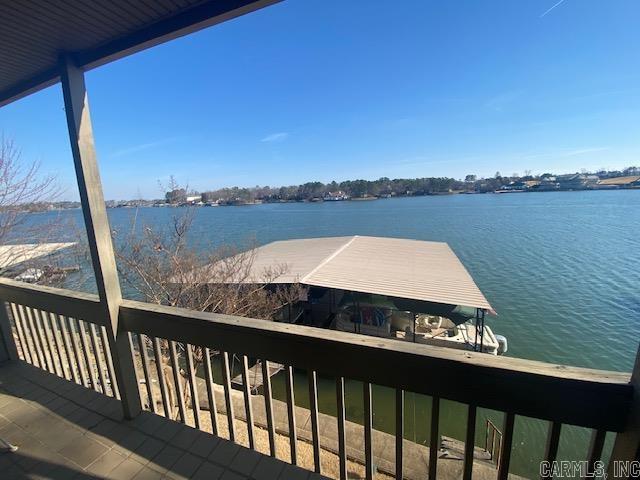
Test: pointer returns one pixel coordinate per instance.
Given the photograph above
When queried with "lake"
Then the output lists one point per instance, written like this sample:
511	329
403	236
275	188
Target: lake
561	269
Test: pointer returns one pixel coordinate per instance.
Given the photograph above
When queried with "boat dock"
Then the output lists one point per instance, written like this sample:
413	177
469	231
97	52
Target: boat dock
255	377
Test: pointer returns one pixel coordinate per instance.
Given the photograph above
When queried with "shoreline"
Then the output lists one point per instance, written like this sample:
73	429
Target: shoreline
357	199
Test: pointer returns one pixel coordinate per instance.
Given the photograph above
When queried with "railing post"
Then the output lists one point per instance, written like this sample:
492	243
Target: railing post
627	444
76	104
8	349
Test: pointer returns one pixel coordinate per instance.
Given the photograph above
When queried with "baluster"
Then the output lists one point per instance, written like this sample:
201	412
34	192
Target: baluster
26	355
553	441
434	439
55	331
342	439
291	415
35	339
28	335
64	332
173	355
595	449
268	405
107	355
469	443
39	330
368	429
144	358
227	396
399	431
85	353
192	385
76	351
313	406
247	401
136	374
505	446
211	397
157	354
46	332
96	354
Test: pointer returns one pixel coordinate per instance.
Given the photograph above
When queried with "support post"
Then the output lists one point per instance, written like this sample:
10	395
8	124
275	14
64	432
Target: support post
8	349
627	444
482	318
76	104
475	342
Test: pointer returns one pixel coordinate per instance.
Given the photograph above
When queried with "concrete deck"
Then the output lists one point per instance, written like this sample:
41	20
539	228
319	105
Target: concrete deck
65	431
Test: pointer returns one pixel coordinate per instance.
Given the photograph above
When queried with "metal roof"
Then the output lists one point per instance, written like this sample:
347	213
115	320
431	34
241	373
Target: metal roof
34	33
11	255
413	269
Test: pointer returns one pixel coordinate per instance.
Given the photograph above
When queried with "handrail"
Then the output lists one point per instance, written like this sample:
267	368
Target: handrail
56	300
73	348
572	395
578	396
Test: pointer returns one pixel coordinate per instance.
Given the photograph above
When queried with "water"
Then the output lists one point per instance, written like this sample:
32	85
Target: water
560	268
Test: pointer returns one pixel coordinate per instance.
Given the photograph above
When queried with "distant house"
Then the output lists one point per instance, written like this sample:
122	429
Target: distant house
547	184
513	186
519	186
193	199
335	196
577	181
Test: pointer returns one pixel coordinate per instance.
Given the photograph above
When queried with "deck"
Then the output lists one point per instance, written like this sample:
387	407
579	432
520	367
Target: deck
65	431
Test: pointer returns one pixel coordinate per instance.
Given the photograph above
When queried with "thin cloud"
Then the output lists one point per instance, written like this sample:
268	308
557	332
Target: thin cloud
581	151
276	137
553	7
142	146
562	153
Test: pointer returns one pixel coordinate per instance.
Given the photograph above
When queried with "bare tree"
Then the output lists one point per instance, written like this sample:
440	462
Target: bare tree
161	267
23	190
21	185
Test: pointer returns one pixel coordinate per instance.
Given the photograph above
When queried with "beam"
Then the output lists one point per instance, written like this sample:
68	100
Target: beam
76	104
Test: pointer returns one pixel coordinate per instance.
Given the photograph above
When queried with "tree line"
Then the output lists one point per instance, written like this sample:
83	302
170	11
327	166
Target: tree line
381	187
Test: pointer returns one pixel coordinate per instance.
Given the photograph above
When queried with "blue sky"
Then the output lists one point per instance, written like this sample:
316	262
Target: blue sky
333	89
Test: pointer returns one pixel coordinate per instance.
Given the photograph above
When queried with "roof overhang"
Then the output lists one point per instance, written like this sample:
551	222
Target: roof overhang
34	35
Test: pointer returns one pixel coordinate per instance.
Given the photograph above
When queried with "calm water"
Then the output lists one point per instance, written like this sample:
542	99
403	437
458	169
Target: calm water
561	269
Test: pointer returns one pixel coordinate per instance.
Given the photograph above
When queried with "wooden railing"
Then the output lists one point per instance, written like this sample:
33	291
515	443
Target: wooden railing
60	322
60	333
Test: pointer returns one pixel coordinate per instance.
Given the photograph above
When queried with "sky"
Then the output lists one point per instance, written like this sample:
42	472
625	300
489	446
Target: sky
333	90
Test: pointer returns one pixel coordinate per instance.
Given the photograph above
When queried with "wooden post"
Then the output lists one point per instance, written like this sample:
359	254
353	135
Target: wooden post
627	444
8	349
76	104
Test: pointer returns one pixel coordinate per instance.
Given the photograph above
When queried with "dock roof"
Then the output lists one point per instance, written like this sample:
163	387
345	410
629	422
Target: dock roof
402	268
11	255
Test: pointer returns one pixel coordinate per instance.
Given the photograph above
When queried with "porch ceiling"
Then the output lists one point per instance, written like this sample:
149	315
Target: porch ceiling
34	33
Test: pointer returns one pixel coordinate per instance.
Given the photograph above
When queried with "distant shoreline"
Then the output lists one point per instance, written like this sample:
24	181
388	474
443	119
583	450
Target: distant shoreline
149	204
